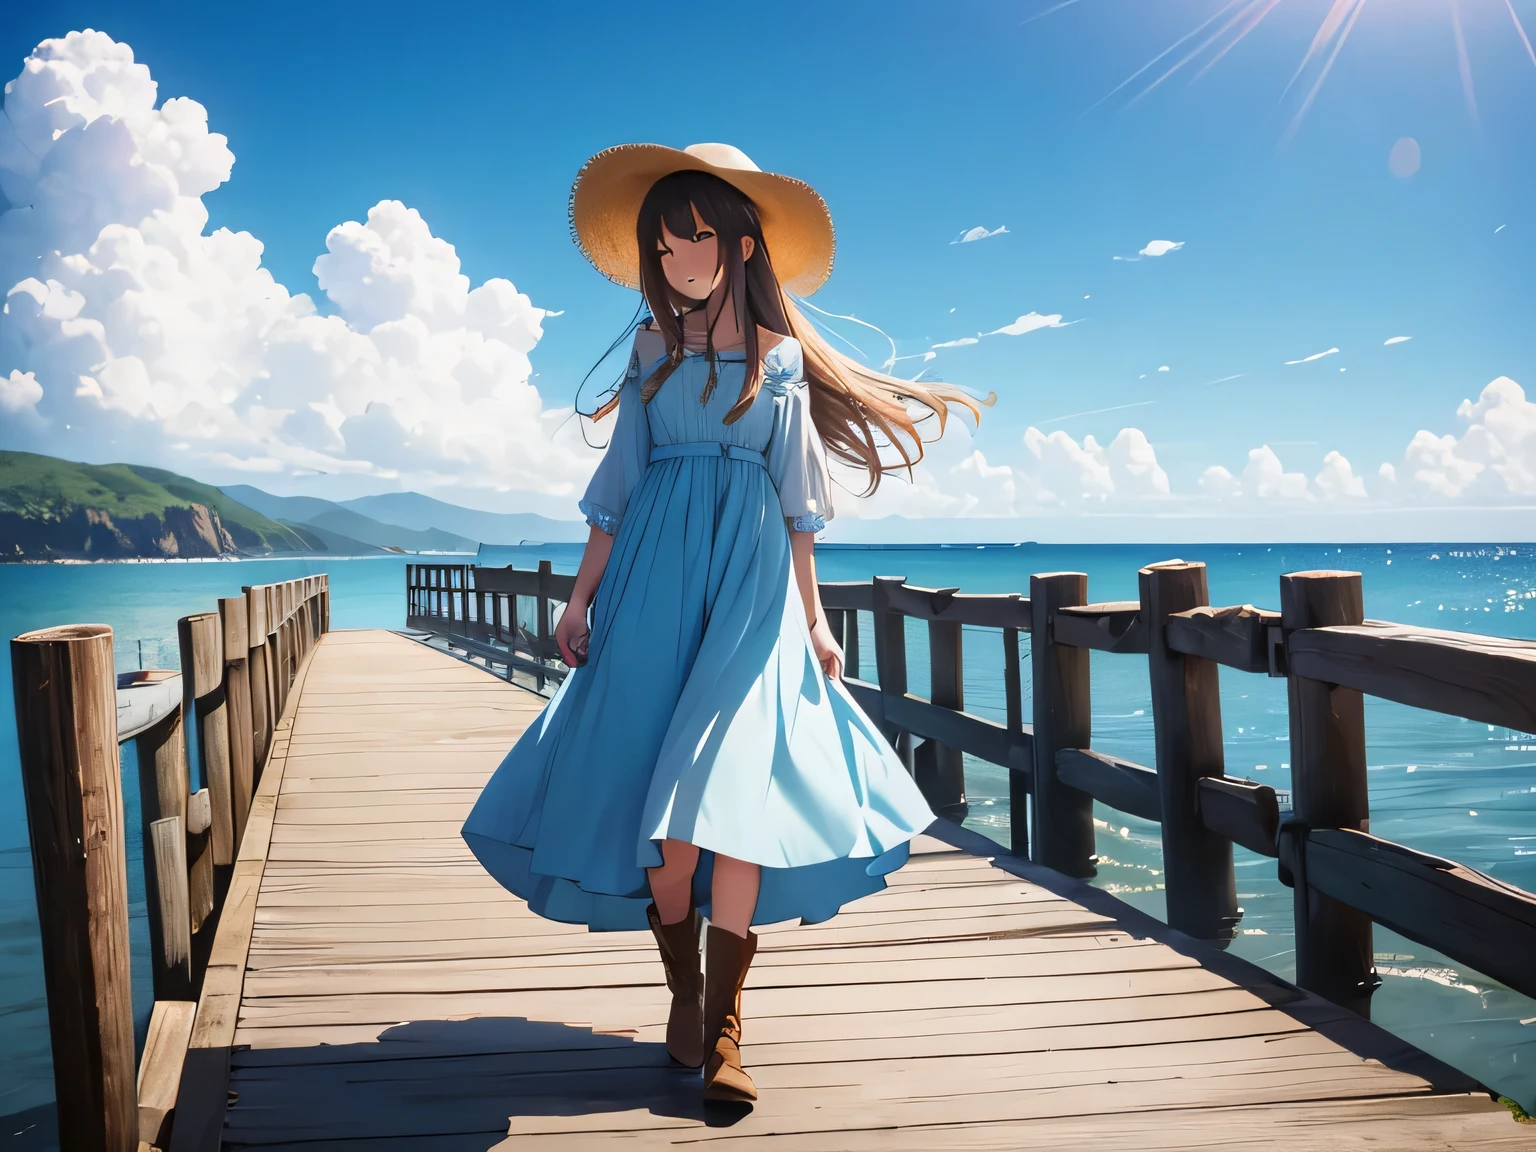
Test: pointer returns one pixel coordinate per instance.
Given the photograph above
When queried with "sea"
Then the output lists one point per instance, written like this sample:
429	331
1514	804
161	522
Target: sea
1452	787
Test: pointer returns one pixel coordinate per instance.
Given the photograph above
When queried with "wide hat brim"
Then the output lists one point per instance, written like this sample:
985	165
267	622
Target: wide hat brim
608	191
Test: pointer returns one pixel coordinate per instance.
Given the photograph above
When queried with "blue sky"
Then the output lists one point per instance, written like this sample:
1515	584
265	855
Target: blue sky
917	122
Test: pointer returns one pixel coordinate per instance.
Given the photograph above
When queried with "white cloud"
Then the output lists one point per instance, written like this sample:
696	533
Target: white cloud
19	394
133	332
1314	356
1265	478
1029	322
1218	482
954	479
1060	470
1337	480
1496	454
1154	248
1396	339
958	343
1165	368
970	235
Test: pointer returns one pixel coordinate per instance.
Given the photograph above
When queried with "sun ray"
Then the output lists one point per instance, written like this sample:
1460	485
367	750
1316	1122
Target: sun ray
1520	28
1204	44
1182	40
1254	22
1325	32
1053	8
1463	61
1317	86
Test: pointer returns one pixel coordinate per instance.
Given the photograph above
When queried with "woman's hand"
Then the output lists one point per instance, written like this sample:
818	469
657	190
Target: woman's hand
829	653
572	634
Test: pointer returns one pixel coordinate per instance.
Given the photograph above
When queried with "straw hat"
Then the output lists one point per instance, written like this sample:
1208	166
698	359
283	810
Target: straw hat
606	197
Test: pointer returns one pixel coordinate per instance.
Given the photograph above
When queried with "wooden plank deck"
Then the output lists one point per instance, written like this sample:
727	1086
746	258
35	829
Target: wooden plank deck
395	997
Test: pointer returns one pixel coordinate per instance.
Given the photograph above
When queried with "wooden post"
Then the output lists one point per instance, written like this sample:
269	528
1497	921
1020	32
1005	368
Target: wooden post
66	727
234	615
546	573
940	768
851	643
1199	884
202	677
163	788
1328	790
1063	815
259	677
891	659
1018	781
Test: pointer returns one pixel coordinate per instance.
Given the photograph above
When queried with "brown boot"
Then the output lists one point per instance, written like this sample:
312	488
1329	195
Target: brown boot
679	945
725	971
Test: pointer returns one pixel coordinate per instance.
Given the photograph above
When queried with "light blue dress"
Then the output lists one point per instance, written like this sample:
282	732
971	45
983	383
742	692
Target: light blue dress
701	713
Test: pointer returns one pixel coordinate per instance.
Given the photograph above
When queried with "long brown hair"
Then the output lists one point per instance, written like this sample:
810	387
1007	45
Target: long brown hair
856	410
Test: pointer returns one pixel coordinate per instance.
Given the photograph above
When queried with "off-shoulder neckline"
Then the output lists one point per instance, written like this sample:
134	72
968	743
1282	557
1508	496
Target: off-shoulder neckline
740	354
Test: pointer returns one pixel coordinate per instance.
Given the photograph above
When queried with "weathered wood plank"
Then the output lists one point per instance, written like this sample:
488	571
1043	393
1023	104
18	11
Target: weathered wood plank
1486	924
165	1051
1238	636
394	993
1328	788
1114	627
66	728
1122	784
1061	817
1200	883
1485	678
1245	812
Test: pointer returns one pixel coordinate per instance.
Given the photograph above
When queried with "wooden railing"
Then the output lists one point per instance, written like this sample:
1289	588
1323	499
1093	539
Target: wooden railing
501	616
1344	878
72	713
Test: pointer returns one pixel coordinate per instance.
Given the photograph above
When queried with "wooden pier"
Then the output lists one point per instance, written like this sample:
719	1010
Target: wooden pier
370	986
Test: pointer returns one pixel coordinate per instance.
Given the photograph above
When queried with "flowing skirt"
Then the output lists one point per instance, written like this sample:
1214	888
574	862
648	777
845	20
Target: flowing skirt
701	715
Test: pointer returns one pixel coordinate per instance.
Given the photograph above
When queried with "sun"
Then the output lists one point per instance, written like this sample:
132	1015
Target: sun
1234	20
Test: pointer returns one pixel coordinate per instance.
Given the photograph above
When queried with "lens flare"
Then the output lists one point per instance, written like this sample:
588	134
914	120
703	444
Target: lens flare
1231	23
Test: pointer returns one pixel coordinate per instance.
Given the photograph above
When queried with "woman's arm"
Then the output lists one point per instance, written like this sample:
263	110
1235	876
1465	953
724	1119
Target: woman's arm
829	654
571	631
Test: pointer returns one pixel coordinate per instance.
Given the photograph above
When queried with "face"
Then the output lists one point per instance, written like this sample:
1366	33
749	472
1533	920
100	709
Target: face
692	264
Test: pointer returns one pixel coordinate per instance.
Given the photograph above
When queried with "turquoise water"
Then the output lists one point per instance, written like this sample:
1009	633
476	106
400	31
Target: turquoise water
1447	786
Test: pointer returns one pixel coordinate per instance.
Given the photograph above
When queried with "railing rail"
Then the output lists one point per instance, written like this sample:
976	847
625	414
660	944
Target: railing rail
1344	878
478	611
72	713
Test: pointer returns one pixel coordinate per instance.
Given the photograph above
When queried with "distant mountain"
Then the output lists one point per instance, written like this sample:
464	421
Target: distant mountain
326	515
413	510
55	509
296	509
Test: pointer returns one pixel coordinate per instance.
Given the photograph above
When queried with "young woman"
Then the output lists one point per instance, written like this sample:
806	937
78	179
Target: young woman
702	756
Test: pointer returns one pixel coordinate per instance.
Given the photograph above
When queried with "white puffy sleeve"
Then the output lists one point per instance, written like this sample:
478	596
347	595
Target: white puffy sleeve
628	454
797	459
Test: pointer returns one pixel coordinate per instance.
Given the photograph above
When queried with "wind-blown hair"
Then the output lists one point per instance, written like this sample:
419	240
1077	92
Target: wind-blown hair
857	411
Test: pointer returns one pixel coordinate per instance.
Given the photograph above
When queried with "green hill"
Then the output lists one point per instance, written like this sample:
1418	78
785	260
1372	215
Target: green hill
52	508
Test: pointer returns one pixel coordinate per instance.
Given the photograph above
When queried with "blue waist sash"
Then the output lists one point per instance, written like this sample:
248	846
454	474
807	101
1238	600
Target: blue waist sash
708	448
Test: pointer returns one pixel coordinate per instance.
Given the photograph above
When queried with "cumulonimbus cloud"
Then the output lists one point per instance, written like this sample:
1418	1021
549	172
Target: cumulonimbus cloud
130	330
1494	457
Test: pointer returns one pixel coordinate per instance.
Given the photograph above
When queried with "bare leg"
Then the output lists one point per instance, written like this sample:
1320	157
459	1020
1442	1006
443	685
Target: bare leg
672	883
734	898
